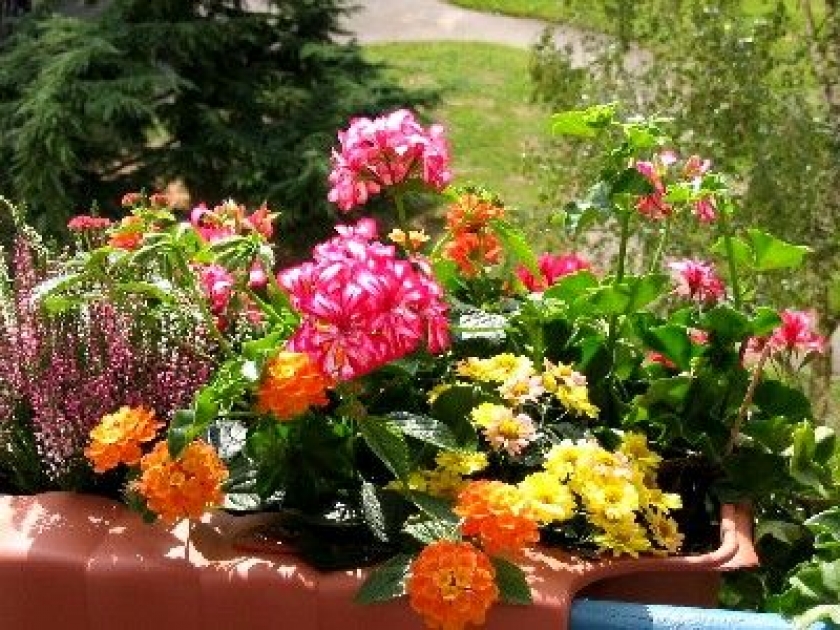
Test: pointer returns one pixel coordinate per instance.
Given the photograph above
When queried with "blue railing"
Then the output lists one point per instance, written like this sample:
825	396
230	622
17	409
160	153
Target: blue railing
590	614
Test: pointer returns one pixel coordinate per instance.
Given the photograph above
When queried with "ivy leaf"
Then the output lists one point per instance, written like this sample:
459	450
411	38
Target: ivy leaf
425	429
386	440
513	587
387	581
428	531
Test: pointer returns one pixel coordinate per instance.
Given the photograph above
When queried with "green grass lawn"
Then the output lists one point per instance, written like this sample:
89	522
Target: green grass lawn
484	103
584	14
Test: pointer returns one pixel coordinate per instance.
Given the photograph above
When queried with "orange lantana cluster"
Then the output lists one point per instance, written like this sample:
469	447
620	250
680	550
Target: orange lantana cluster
452	584
473	243
184	487
498	515
292	384
117	438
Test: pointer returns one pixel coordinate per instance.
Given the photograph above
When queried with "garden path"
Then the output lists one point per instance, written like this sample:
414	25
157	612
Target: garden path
426	20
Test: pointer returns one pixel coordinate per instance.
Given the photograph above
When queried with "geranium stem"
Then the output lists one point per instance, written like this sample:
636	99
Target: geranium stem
402	220
660	248
622	246
730	254
748	397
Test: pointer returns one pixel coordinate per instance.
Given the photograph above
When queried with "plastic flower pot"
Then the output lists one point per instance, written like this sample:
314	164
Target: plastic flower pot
81	562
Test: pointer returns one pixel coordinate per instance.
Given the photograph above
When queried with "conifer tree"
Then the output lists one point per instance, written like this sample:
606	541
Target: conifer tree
233	100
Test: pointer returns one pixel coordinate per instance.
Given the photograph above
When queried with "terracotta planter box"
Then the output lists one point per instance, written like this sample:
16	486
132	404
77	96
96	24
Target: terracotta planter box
79	562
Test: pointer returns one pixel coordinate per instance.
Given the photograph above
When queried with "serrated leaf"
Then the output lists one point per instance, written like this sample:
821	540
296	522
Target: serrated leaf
426	429
386	440
387	581
513	587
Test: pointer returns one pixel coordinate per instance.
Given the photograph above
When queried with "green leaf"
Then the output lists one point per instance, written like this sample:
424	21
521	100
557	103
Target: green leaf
774	398
426	429
516	244
428	531
433	506
387	581
741	252
771	253
631	182
569	288
726	324
673	342
805	466
181	431
513	587
765	320
386	440
784	531
584	123
453	407
827	522
631	295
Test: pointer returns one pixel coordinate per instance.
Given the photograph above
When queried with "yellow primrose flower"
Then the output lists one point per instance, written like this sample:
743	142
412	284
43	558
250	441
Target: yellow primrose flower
635	447
488	414
562	459
615	499
549	499
623	537
664	531
462	462
496	369
576	398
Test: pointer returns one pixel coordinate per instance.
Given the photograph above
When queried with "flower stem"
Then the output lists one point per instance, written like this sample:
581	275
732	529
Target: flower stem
726	229
660	248
622	246
399	202
748	397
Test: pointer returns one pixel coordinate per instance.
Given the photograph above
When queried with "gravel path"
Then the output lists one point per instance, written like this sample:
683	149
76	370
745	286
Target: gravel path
424	20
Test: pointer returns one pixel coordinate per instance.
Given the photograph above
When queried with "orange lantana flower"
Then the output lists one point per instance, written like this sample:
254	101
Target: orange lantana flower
183	487
128	234
117	438
498	514
292	384
472	212
452	584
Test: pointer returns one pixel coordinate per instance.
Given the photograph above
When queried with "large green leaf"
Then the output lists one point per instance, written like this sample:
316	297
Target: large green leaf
387	581
771	253
569	288
386	440
516	244
585	123
453	407
425	428
628	296
673	342
513	587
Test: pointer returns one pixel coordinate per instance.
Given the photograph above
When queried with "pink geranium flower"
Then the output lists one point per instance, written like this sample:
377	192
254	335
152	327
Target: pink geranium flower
217	283
386	151
552	267
796	333
362	306
654	206
697	280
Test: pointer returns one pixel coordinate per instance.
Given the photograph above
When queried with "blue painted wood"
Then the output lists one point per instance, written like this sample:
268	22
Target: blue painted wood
590	614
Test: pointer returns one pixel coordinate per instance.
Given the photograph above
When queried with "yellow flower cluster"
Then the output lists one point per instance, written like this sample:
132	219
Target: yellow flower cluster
520	382
447	479
569	387
616	490
497	369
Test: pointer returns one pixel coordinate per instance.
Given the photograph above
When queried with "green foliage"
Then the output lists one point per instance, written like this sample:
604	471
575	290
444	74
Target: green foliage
230	102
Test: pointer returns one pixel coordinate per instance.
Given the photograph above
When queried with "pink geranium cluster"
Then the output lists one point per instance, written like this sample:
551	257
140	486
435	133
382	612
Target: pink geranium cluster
386	151
698	281
655	206
552	267
362	306
229	219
